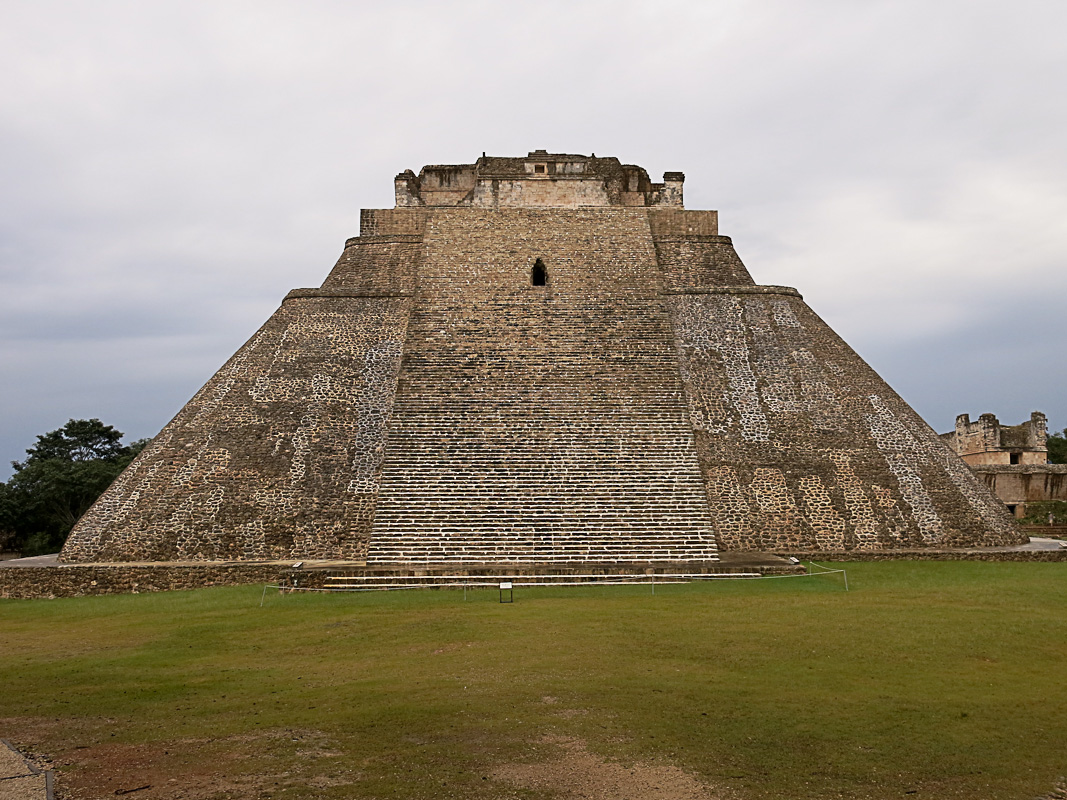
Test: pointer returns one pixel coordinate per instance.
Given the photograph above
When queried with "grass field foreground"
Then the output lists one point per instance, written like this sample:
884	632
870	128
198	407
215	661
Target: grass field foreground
926	680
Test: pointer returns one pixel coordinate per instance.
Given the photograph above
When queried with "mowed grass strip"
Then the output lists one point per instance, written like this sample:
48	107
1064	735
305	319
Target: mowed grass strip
926	680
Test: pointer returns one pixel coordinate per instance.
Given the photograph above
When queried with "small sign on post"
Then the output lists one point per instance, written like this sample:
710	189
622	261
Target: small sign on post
506	587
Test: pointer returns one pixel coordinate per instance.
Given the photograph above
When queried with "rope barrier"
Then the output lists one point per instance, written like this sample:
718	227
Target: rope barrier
594	580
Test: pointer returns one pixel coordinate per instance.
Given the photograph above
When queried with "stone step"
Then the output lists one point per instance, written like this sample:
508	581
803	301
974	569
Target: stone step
497	546
539	558
559	430
502	542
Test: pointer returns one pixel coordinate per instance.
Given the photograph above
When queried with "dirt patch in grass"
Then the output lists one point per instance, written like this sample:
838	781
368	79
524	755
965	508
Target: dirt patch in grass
257	765
576	772
273	763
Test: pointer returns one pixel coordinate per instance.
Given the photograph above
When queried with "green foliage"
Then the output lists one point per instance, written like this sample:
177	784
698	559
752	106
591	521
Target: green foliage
8	508
1037	512
1057	447
61	477
78	440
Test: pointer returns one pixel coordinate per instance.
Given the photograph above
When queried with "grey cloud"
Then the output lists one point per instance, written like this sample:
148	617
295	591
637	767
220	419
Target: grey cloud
169	170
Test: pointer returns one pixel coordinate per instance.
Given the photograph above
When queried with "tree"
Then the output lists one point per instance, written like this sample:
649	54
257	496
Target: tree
1037	513
1057	447
7	519
63	474
78	440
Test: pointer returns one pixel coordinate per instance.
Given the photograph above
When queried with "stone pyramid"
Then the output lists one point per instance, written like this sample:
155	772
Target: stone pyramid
539	360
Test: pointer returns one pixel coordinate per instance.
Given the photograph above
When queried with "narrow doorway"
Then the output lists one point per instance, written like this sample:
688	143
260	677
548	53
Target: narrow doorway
539	275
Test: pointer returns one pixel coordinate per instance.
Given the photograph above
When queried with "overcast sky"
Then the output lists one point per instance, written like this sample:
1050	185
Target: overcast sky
168	170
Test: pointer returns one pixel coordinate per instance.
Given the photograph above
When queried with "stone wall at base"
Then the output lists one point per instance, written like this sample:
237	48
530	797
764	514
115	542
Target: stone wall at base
27	583
1051	531
86	580
926	555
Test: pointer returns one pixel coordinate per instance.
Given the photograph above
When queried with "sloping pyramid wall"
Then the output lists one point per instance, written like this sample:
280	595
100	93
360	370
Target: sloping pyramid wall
277	456
804	447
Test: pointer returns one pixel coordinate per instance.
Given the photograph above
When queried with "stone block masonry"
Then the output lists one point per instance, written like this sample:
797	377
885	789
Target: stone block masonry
277	456
540	423
804	447
540	360
26	583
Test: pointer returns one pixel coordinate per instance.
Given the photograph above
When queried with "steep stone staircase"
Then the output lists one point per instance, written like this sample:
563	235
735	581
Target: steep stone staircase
536	424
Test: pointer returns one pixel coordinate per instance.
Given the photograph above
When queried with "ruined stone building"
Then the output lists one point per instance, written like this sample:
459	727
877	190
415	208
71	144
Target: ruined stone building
542	359
1011	459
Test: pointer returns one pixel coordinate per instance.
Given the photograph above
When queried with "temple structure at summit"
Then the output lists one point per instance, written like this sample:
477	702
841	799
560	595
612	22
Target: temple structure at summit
546	360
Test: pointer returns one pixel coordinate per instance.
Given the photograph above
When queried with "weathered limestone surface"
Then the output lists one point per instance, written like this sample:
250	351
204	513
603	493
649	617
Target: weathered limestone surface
691	262
1011	459
1031	556
385	263
431	403
805	447
1028	483
91	579
540	422
986	441
276	457
541	180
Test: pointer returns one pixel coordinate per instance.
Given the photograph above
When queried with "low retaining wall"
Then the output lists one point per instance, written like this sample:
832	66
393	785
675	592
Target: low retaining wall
1051	531
78	581
931	555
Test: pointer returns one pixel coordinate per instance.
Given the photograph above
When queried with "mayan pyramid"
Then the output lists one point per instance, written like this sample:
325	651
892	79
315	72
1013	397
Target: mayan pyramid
546	360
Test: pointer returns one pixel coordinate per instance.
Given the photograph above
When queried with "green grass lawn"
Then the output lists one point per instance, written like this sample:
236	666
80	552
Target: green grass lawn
926	680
